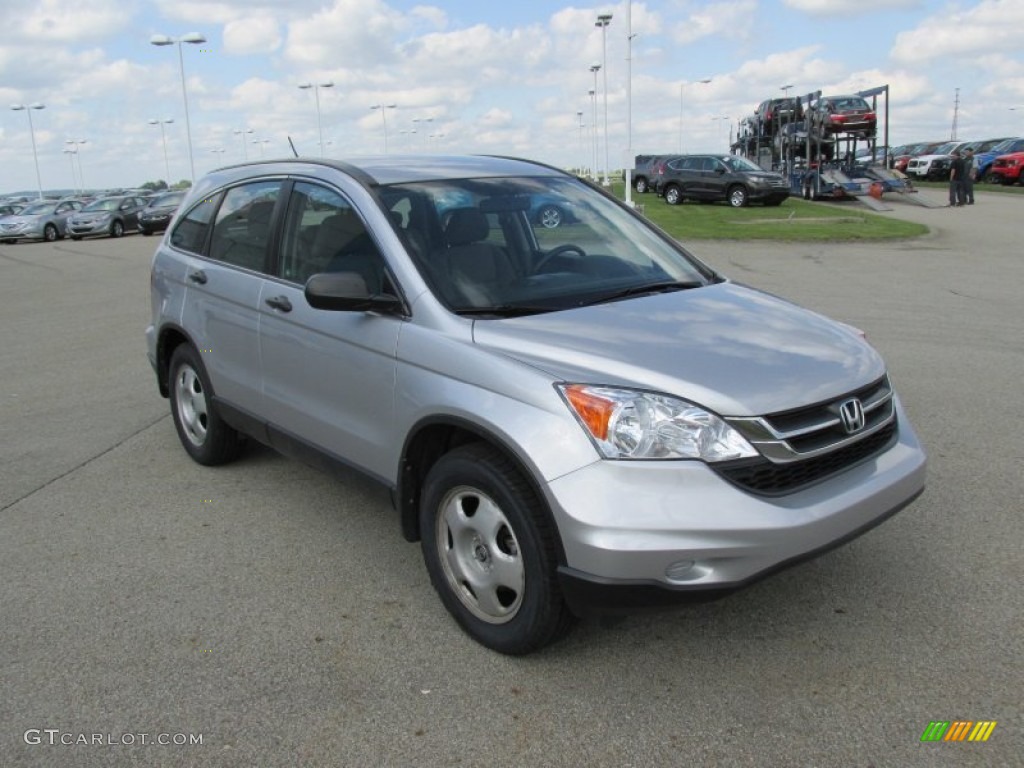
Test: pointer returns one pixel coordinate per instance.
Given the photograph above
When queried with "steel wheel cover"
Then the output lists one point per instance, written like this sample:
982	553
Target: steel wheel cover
480	555
190	400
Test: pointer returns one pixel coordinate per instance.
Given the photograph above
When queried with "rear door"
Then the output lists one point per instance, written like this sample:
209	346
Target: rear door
224	276
328	377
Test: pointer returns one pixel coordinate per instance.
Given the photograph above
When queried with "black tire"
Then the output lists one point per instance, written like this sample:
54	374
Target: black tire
737	196
642	186
50	233
550	217
480	520
116	228
203	434
673	195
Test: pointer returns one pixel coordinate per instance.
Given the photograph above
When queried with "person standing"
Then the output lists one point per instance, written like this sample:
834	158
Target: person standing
970	172
956	177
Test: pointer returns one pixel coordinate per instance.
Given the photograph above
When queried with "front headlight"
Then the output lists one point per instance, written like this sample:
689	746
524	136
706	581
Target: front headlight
632	424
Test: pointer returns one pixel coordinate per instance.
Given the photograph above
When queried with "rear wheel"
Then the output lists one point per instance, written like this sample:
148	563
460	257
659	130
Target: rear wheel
117	228
673	195
550	217
641	185
737	196
490	549
203	434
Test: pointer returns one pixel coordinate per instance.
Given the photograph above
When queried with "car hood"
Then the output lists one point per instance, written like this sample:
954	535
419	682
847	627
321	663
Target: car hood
160	209
929	158
19	218
1011	155
732	349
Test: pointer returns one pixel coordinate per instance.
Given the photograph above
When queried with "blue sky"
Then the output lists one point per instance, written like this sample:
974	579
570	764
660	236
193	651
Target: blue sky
507	78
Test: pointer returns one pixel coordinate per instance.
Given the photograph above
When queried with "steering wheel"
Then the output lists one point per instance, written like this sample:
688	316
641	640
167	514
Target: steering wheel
558	251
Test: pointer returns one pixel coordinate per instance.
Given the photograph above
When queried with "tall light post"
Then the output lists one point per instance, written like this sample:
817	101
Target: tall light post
595	68
681	87
194	38
262	143
27	108
77	143
383	109
583	154
603	20
722	117
316	92
629	159
74	176
785	89
163	138
243	133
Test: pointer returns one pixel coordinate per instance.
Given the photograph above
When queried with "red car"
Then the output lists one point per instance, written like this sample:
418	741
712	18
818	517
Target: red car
1006	169
844	114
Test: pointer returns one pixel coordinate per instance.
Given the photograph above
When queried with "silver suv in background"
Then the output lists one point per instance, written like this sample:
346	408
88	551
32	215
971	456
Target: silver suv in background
573	420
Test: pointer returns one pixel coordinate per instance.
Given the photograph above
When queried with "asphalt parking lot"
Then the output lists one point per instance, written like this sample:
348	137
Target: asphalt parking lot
276	612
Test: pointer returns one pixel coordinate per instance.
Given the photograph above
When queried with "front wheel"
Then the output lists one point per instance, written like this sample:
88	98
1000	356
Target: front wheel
203	434
550	217
737	196
116	229
489	547
50	233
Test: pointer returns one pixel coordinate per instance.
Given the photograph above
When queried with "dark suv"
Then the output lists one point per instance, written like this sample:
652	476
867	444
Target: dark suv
646	169
720	177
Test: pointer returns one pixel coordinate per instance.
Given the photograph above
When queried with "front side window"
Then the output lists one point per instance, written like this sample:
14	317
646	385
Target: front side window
241	232
323	233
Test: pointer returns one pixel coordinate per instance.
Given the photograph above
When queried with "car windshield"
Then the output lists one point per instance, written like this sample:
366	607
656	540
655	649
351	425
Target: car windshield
499	247
737	163
947	148
37	209
1004	146
103	205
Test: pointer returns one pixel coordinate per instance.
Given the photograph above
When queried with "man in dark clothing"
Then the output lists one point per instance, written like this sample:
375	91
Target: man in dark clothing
956	179
969	173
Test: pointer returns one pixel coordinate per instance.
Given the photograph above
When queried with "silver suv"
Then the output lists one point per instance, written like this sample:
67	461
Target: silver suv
572	421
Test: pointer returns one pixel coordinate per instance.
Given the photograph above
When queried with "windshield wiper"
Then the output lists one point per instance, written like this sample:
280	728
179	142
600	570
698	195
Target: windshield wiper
664	286
504	310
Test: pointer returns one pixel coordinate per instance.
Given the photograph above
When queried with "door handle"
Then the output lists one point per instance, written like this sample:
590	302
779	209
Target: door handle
280	302
198	276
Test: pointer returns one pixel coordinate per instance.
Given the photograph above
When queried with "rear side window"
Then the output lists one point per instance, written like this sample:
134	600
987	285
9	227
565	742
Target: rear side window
241	232
192	229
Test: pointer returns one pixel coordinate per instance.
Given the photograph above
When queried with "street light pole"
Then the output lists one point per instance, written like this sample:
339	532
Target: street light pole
316	92
32	133
383	108
74	176
629	159
78	151
595	68
242	133
603	20
195	38
583	154
262	143
163	138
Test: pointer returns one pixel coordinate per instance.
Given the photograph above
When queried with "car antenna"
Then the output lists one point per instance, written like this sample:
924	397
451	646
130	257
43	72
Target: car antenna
292	145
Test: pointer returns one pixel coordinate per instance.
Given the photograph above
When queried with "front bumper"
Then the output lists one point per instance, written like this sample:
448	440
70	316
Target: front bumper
94	228
643	534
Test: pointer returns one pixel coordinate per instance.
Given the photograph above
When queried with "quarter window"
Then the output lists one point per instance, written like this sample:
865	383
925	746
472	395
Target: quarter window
190	233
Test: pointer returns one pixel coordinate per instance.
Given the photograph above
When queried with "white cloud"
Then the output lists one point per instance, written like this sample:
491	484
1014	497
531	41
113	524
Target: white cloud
848	7
254	34
991	25
352	33
60	21
730	20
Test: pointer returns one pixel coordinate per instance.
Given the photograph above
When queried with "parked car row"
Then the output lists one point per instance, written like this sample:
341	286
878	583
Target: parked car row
51	220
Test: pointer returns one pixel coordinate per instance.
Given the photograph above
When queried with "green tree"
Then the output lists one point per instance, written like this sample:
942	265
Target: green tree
183	184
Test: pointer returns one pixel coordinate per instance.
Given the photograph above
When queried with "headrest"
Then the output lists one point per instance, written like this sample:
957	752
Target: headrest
465	226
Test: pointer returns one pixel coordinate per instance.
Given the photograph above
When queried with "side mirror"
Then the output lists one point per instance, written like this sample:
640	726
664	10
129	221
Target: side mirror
347	292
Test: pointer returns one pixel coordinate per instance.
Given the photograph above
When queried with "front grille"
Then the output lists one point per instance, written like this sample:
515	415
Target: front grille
804	445
768	479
